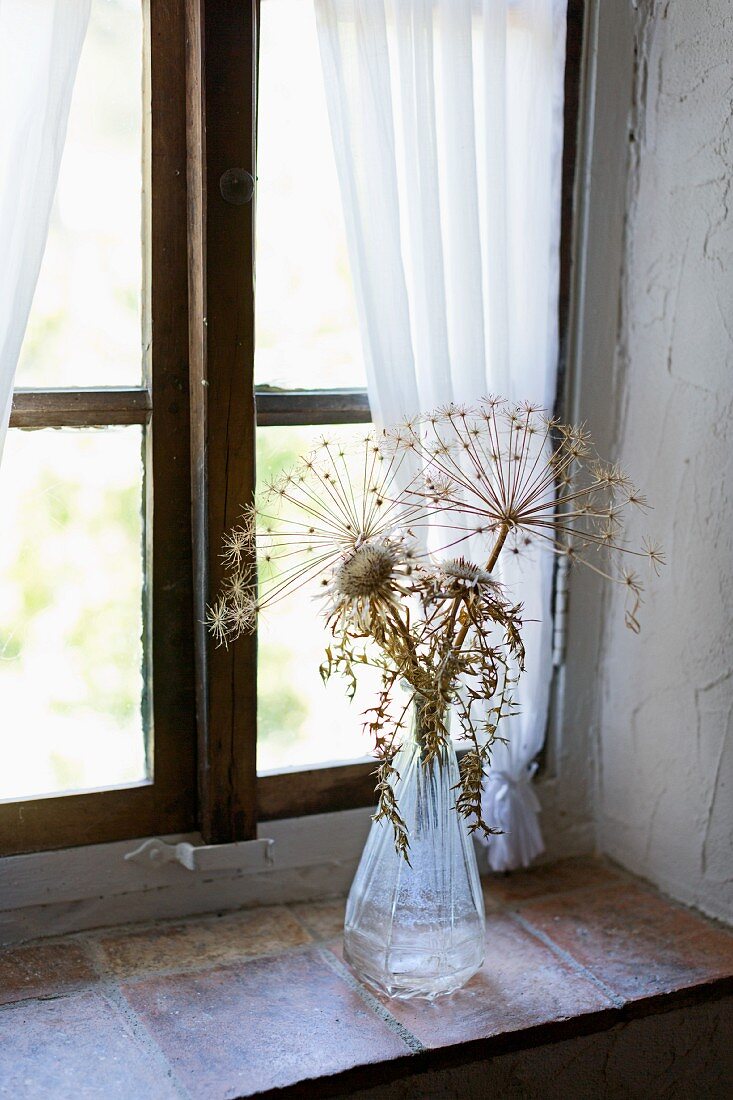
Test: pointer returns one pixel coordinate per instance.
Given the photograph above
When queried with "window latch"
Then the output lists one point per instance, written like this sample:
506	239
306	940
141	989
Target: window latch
243	855
237	186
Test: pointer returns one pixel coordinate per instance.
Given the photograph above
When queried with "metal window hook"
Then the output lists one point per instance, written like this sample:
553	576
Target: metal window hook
240	856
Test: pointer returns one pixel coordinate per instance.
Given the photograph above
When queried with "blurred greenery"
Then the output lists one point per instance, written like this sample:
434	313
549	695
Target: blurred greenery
300	721
281	711
71	608
71	684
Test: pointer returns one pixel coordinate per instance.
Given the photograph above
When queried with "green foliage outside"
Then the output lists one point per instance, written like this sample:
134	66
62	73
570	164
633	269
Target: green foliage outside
281	711
71	607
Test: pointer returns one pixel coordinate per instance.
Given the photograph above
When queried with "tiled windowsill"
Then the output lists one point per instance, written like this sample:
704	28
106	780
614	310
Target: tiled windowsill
261	1000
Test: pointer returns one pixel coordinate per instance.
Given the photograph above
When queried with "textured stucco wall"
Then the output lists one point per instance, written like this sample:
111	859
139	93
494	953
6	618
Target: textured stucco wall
665	725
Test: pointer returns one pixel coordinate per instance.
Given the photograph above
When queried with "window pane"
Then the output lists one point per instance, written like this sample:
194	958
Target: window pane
300	721
85	325
306	326
71	582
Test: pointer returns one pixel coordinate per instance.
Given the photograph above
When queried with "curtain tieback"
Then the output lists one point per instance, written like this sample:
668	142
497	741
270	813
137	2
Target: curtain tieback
513	798
513	781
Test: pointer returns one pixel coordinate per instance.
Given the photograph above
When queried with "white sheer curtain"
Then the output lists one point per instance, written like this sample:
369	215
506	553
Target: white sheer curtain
446	118
40	43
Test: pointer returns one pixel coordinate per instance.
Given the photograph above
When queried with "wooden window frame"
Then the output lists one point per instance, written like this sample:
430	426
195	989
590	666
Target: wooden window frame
201	411
166	803
223	37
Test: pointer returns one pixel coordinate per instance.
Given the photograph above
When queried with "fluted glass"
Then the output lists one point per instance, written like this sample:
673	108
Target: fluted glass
417	929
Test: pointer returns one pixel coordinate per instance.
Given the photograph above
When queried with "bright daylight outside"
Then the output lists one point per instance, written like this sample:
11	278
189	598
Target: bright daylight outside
71	567
71	653
306	338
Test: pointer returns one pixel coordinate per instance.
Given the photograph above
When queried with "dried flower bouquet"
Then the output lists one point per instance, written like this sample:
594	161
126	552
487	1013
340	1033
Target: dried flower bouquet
387	550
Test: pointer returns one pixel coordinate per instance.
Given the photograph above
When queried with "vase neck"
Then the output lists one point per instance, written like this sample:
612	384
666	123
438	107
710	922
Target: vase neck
425	718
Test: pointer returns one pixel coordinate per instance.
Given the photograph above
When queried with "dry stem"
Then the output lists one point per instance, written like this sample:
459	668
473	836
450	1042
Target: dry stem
494	557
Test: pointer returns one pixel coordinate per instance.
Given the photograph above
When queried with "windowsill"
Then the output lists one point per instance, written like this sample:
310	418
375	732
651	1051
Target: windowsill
261	999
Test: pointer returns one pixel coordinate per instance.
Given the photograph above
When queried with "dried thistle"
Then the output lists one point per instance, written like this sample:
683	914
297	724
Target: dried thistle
368	584
313	517
508	477
517	474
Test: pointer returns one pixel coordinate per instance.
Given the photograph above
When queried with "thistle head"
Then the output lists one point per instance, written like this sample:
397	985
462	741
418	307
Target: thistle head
367	571
368	582
464	574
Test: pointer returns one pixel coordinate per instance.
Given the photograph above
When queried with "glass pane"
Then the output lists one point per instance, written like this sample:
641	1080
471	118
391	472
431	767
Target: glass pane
306	327
85	325
71	582
300	721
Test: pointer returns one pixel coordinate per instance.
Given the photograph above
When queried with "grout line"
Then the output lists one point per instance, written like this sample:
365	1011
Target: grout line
144	1040
371	1001
316	937
618	1002
141	1035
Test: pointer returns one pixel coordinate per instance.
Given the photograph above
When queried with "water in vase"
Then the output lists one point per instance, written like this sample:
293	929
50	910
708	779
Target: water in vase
417	929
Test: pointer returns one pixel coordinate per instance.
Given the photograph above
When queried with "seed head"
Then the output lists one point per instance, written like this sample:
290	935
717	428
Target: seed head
366	571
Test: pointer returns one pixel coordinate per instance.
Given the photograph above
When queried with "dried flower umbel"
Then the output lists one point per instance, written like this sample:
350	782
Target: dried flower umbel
507	479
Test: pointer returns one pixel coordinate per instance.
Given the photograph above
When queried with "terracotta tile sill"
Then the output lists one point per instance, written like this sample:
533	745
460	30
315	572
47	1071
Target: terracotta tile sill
260	1002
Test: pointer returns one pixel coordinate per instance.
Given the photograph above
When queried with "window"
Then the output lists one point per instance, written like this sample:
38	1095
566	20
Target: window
95	571
306	337
194	383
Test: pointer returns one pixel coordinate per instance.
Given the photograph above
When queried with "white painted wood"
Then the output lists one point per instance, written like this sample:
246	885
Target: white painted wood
239	856
47	893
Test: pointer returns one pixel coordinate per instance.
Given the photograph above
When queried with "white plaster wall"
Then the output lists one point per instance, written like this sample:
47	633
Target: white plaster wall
664	728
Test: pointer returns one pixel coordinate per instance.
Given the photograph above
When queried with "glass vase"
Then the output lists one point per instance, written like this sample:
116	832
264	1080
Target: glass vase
417	929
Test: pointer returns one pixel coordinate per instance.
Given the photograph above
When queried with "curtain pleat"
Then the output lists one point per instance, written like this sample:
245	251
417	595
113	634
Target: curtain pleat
40	44
447	124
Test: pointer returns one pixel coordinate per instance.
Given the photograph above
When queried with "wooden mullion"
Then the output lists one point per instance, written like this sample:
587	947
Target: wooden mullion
299	792
297	407
168	457
82	408
221	70
92	817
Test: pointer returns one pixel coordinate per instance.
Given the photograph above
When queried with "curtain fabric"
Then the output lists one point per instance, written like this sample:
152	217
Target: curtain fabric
40	44
447	124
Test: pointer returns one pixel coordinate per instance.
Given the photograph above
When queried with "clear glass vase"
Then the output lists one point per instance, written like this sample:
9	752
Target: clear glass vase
418	929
